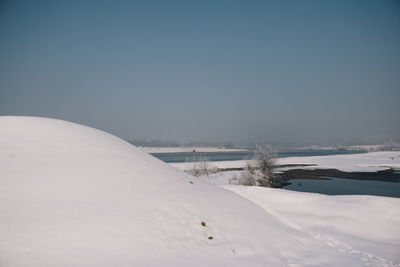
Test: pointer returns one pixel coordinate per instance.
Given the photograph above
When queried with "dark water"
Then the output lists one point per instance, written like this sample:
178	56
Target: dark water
182	157
339	186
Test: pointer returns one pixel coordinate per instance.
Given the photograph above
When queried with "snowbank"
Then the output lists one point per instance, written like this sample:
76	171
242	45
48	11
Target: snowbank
71	195
76	196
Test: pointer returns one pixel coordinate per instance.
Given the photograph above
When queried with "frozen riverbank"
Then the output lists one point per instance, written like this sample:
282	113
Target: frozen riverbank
375	173
365	162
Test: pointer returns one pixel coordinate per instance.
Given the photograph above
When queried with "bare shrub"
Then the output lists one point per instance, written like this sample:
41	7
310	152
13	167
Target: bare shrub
201	166
244	178
247	178
234	179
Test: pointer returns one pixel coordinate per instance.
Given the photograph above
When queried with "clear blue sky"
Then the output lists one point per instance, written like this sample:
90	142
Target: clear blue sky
284	72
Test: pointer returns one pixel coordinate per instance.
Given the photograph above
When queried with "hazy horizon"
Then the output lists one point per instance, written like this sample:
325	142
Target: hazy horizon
287	73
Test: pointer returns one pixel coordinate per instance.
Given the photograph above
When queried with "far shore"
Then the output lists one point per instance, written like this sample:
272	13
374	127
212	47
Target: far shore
184	150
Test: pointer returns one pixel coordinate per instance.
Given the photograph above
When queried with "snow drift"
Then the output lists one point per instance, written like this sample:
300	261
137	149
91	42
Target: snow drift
75	196
71	195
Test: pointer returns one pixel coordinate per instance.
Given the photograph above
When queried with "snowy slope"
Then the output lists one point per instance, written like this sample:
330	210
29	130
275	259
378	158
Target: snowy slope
364	225
71	195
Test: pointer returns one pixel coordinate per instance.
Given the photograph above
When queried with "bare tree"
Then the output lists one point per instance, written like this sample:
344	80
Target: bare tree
265	163
391	145
261	170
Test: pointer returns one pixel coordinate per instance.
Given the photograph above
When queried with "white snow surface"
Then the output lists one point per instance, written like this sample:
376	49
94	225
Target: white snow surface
367	226
71	195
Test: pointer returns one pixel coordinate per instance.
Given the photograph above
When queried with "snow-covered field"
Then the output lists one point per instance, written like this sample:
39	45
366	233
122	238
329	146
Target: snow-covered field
71	195
367	162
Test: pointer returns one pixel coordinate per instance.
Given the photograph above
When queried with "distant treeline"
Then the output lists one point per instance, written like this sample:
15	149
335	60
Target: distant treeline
390	145
168	143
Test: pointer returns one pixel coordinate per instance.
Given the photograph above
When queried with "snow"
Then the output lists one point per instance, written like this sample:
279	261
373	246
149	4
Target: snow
364	225
71	195
366	162
220	178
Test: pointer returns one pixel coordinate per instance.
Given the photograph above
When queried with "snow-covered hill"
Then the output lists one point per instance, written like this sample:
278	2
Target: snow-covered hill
71	195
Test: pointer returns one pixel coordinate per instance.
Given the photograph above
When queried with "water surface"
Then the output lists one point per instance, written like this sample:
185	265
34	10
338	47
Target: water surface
340	186
230	156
